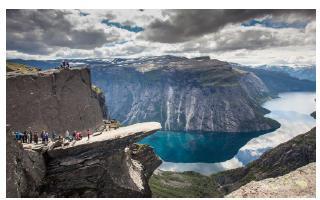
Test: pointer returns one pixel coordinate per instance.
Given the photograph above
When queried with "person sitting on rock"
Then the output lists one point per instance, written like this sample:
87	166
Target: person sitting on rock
67	136
74	134
78	135
61	140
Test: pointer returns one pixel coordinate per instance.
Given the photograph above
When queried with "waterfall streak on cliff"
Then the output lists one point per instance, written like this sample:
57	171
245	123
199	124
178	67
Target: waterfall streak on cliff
179	109
169	103
201	120
190	111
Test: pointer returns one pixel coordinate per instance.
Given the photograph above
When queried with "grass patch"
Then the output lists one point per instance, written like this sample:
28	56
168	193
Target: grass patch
24	69
96	89
183	185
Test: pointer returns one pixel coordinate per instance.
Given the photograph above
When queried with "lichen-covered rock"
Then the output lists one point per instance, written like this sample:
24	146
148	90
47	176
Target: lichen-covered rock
300	183
54	100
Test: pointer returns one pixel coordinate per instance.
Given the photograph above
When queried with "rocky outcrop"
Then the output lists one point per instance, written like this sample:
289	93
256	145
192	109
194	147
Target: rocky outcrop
145	154
108	165
184	94
25	169
55	100
300	183
104	166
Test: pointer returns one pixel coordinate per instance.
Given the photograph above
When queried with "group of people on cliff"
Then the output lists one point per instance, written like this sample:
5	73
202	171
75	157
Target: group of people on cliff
65	64
76	135
29	136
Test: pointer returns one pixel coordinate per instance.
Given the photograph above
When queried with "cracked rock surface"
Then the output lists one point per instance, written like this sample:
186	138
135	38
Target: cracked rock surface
300	183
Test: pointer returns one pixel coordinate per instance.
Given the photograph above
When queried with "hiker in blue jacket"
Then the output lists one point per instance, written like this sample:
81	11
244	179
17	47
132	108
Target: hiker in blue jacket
18	136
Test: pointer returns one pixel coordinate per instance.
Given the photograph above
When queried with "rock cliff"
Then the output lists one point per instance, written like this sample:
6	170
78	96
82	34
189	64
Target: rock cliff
184	94
107	165
54	100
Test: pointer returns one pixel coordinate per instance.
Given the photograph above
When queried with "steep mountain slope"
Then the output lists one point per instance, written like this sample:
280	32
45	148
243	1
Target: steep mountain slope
184	94
280	160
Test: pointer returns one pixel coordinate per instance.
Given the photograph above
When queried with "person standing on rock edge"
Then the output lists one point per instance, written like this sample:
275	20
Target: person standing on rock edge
30	135
88	133
53	135
42	136
46	137
35	137
24	137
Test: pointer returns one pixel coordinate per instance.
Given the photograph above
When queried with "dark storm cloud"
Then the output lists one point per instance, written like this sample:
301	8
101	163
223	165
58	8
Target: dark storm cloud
43	31
183	25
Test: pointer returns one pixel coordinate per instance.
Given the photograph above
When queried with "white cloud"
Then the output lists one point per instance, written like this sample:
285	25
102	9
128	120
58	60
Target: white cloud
252	45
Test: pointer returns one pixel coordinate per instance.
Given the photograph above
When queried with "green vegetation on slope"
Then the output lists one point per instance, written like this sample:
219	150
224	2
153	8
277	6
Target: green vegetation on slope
96	89
187	184
278	161
14	67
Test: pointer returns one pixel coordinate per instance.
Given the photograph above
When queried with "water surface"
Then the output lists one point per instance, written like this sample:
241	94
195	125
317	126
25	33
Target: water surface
208	153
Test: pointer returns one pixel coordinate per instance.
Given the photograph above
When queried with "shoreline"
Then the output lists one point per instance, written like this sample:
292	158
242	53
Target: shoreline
251	148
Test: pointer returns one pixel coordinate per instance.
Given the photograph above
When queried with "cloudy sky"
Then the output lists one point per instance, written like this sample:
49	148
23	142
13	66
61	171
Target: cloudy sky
282	37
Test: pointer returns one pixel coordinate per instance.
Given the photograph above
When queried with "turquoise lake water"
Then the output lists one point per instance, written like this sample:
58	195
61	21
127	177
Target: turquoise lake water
208	153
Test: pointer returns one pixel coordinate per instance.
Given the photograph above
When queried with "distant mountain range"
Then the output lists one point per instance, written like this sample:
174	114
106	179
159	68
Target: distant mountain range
301	72
307	72
278	80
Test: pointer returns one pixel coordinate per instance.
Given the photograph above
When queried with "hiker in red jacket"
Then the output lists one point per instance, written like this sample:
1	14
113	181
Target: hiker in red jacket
78	136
